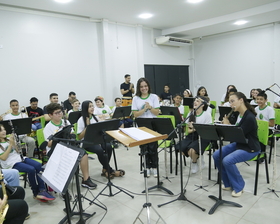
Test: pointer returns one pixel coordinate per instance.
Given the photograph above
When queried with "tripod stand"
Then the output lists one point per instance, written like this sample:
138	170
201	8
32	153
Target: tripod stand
148	206
96	134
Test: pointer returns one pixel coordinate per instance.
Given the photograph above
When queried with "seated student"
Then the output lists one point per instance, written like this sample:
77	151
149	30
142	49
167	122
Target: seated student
166	96
18	209
30	142
86	119
67	104
187	93
102	111
124	123
276	104
255	94
238	152
76	106
55	124
202	91
35	112
225	96
10	158
177	99
230	92
53	99
190	145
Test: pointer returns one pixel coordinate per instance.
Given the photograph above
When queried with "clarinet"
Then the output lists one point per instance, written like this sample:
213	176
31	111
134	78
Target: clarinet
230	113
64	115
17	141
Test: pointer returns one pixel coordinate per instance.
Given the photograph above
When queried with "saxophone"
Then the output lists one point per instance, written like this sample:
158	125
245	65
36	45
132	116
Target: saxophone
4	208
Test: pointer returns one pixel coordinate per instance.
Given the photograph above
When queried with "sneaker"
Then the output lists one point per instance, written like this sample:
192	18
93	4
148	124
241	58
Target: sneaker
148	172
238	194
226	188
27	216
194	167
44	195
89	184
155	172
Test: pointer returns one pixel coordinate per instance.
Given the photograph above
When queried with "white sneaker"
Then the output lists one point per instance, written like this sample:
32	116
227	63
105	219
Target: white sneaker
194	167
155	172
148	172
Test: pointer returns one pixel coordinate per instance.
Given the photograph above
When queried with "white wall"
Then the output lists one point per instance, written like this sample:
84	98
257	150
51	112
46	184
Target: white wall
43	54
248	59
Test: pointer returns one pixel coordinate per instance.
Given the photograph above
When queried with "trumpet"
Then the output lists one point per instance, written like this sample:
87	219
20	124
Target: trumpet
23	110
4	208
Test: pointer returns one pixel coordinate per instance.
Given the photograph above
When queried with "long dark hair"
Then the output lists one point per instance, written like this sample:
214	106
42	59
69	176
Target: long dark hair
227	92
204	108
138	92
85	114
6	139
240	95
200	88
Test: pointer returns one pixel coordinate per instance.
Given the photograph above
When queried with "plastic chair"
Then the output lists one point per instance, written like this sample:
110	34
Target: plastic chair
186	111
263	138
277	122
43	122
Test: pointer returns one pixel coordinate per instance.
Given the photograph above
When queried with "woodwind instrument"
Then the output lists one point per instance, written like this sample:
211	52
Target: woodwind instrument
5	206
17	141
230	113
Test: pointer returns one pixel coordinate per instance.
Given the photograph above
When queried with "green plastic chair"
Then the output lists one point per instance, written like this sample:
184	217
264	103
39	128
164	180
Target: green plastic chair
263	138
186	111
43	122
277	122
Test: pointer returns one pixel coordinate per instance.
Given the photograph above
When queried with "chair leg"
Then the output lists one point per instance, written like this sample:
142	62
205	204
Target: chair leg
176	162
209	168
266	168
257	175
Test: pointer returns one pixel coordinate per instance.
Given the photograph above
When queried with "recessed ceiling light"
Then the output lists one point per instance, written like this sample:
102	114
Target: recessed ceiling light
63	1
194	1
145	15
240	22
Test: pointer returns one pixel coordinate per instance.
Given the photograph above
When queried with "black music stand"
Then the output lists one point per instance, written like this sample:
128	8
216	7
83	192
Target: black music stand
172	111
162	126
22	126
74	116
221	133
96	134
188	101
225	111
122	112
54	182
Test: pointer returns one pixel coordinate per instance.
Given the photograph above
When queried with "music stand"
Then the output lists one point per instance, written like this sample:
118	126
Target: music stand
22	126
188	101
74	116
162	126
225	111
172	111
122	112
249	100
220	133
96	134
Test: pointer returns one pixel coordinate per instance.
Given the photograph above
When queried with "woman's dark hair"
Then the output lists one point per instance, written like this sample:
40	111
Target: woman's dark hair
200	88
251	96
240	95
85	106
2	127
138	92
227	92
204	108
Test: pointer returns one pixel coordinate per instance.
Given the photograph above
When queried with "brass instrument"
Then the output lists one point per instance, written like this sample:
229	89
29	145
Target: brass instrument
4	208
23	110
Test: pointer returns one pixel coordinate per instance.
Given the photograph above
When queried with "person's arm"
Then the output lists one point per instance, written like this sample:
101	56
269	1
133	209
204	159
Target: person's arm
81	128
6	153
276	105
132	88
271	122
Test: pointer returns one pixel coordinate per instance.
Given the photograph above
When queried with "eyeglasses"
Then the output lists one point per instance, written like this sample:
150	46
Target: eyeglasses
58	112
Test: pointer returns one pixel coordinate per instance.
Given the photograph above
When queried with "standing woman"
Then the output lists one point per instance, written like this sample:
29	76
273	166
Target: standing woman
236	152
86	119
146	105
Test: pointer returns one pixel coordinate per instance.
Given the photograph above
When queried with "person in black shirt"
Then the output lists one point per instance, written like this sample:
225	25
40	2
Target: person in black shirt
127	88
67	104
35	112
166	95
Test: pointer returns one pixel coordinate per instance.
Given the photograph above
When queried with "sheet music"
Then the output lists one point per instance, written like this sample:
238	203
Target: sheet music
136	133
59	167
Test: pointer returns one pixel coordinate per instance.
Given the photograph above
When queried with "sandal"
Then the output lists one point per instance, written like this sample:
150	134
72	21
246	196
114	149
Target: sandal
118	173
104	173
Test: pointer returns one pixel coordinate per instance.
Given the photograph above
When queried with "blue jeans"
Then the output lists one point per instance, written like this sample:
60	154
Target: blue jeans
231	176
36	126
11	176
32	168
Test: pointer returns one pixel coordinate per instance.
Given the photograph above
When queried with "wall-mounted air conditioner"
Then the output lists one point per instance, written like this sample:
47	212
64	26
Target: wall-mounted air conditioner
173	41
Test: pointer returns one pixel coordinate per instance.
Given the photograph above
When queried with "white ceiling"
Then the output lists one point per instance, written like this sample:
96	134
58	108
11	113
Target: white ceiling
173	17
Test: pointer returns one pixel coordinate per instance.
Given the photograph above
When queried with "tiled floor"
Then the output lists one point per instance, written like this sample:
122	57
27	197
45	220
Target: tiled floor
122	209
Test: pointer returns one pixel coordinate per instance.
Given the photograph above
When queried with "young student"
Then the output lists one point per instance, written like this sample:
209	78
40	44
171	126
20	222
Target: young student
187	93
86	119
202	91
177	99
225	97
56	123
10	159
146	105
53	99
30	142
35	112
75	106
238	152
102	111
230	92
190	145
264	112
124	123
166	96
255	94
252	93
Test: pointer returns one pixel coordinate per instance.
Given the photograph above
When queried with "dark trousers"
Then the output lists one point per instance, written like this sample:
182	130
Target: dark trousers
150	151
